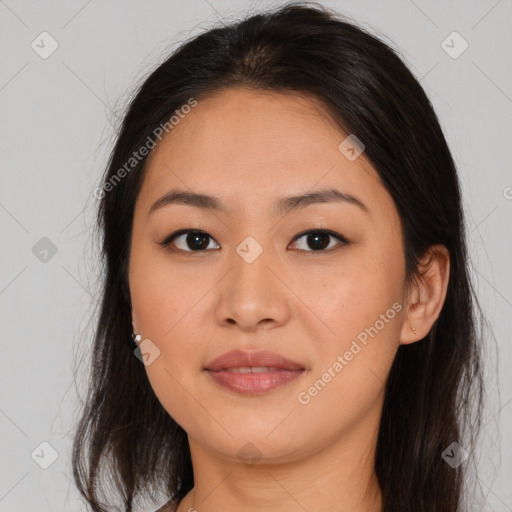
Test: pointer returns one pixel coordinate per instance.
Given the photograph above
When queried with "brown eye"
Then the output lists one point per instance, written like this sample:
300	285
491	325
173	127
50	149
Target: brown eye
189	241
320	240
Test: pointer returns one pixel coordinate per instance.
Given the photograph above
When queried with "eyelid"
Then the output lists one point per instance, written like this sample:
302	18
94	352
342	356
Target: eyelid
343	240
323	231
168	240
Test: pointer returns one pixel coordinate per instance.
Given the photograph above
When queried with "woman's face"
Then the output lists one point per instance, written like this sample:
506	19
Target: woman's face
252	281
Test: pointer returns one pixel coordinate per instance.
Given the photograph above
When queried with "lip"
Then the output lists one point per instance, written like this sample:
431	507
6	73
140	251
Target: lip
239	358
282	371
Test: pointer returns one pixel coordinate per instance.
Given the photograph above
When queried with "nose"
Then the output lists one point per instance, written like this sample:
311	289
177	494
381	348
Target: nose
252	296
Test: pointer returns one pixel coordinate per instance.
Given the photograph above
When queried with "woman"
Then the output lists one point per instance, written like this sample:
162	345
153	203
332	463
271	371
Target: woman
283	240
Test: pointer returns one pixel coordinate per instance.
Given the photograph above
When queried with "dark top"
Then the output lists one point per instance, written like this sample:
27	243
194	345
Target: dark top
170	506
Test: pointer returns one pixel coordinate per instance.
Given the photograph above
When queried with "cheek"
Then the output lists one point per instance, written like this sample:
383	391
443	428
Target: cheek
353	298
348	378
160	293
166	305
361	305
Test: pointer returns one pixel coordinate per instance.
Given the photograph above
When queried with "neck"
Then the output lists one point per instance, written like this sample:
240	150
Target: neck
343	471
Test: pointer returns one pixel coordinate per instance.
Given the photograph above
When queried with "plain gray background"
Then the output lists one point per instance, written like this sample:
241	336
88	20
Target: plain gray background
56	132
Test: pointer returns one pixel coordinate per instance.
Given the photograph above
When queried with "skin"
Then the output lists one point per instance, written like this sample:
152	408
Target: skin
250	148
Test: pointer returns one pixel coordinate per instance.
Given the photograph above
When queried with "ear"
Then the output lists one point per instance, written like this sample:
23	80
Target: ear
426	294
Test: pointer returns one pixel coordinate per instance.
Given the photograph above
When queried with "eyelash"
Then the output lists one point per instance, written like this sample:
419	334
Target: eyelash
344	241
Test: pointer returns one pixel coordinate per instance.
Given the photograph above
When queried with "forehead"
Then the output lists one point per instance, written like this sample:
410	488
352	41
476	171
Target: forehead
249	127
245	143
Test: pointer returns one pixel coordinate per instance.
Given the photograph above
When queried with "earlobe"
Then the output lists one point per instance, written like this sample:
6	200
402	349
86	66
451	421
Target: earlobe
136	337
427	294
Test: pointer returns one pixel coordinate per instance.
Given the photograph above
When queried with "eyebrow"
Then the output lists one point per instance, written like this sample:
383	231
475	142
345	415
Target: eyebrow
283	205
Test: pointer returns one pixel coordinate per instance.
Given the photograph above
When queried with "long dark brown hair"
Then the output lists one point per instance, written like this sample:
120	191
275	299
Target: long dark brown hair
126	445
